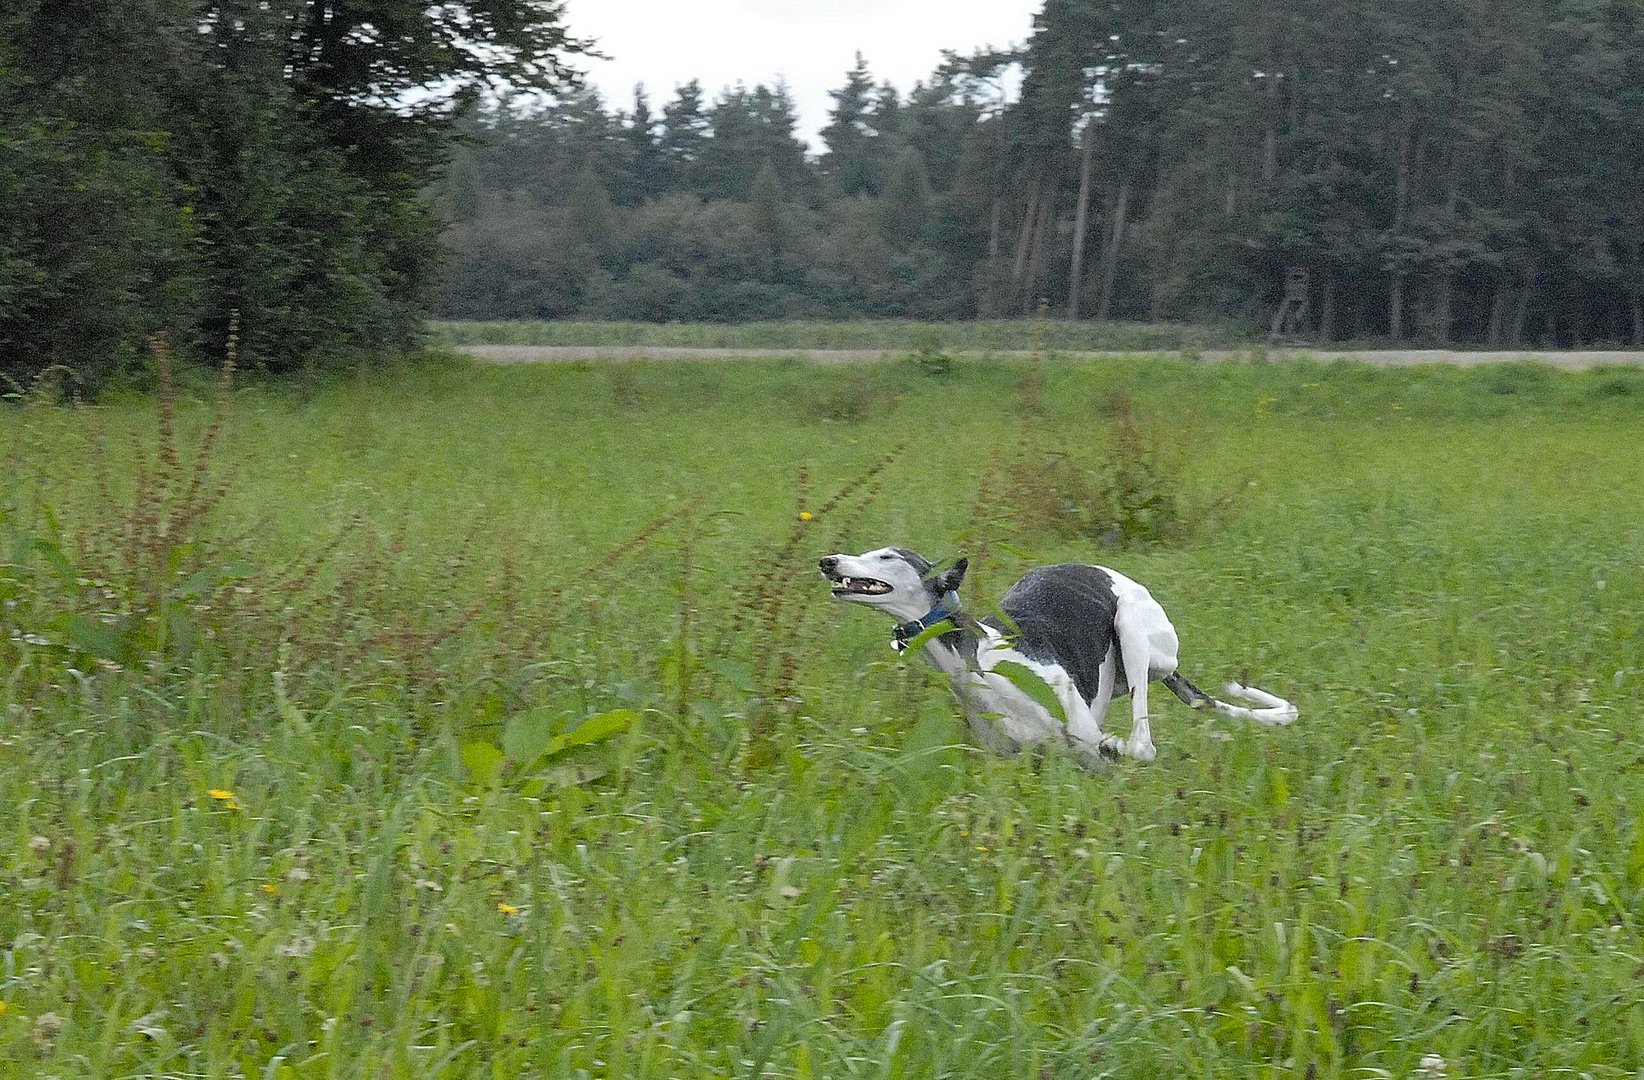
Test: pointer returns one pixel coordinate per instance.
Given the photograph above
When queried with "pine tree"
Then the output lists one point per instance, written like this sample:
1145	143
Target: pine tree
904	208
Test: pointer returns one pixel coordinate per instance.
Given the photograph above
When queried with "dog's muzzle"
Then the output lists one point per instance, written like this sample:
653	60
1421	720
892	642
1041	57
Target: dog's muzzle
850	586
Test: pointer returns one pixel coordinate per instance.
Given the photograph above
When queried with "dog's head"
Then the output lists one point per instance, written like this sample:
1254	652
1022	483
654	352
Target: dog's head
895	580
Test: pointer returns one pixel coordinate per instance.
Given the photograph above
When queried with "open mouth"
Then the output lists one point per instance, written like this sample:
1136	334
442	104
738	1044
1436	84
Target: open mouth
859	586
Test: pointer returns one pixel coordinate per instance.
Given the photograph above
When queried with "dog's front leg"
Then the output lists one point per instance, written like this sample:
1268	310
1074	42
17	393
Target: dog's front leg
1084	725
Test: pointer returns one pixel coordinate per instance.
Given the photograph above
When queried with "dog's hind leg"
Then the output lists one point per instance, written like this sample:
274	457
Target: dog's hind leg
1137	641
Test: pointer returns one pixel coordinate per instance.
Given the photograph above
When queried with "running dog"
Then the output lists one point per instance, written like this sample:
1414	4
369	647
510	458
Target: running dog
1089	633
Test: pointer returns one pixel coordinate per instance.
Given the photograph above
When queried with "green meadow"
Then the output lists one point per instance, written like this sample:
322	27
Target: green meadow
461	721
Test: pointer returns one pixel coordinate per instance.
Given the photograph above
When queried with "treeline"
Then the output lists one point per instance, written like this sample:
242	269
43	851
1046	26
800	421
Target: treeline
185	165
1460	170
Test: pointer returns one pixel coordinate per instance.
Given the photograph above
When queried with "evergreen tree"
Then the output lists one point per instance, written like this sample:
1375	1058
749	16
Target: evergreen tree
648	173
848	162
904	207
685	131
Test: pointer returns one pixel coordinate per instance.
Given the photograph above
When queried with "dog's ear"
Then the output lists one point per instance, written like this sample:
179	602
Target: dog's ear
948	580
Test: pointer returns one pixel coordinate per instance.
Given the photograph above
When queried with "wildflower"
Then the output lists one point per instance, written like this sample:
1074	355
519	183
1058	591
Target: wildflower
226	797
40	845
267	888
804	515
506	908
1432	1065
2	1008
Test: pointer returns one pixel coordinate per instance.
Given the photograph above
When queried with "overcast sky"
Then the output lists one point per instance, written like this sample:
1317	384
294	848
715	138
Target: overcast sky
809	44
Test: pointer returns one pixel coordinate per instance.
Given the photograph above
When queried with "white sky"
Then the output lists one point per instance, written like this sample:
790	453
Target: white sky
809	44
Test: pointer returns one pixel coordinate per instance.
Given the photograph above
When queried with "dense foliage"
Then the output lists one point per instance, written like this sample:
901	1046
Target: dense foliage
1466	170
164	163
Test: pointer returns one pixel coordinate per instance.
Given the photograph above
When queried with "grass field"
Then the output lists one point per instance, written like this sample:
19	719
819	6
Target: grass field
971	336
472	721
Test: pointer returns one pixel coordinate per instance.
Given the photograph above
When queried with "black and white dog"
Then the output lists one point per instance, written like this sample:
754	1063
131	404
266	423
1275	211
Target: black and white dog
1088	632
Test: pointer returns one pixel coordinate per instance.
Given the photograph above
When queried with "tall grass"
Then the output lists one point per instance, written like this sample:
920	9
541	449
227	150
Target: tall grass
520	736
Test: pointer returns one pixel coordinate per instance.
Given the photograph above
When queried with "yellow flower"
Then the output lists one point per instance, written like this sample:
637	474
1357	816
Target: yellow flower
2	1008
507	909
226	797
269	889
804	515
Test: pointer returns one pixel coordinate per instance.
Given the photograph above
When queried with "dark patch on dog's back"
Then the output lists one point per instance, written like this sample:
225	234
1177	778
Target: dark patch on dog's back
1063	615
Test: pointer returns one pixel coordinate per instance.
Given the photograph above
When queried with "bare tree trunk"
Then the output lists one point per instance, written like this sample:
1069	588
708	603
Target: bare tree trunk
1401	202
1110	250
1327	309
1041	247
1638	320
1024	238
1498	314
1520	311
1443	309
1270	134
1442	315
1081	221
993	229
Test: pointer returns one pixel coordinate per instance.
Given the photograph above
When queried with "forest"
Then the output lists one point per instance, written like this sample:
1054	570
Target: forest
319	176
1466	171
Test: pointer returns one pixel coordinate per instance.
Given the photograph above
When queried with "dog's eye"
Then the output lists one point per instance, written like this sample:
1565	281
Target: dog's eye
882	558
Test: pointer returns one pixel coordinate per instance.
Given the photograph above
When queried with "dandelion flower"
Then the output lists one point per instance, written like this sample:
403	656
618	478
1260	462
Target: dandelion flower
221	794
2	1008
268	888
805	515
507	909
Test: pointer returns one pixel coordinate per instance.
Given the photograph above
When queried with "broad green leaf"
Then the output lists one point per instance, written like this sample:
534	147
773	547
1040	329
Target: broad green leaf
483	762
598	728
527	735
1028	682
917	643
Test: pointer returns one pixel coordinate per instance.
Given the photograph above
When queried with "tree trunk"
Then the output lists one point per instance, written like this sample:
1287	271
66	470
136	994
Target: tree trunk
993	229
1024	238
1442	316
1041	248
1498	314
1401	202
1638	320
1520	311
1110	250
1081	221
1270	134
1327	309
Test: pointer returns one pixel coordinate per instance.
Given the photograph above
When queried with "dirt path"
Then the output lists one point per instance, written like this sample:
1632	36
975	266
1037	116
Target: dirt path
551	354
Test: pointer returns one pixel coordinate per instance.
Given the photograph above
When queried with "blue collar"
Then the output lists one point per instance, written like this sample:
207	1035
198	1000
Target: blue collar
944	610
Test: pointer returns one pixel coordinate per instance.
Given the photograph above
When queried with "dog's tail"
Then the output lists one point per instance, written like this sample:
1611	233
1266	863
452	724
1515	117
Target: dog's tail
1274	711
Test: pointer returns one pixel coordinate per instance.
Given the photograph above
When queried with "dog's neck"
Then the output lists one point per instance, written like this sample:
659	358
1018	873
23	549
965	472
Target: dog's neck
944	610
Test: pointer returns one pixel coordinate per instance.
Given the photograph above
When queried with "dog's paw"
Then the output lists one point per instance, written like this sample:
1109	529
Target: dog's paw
1141	751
